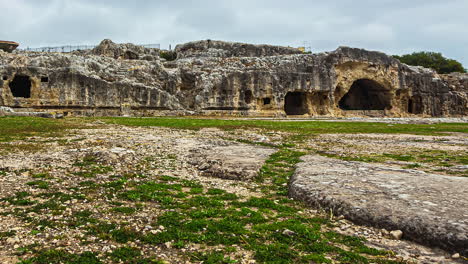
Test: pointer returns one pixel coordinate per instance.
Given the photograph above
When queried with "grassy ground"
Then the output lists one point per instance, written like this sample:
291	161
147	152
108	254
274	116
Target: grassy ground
270	228
17	128
301	127
13	128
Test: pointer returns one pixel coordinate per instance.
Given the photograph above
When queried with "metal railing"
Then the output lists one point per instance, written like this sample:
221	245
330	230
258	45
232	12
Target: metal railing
70	48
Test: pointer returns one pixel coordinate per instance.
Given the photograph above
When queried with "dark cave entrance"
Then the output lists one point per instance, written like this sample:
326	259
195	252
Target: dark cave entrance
248	96
415	105
410	106
366	94
21	86
295	103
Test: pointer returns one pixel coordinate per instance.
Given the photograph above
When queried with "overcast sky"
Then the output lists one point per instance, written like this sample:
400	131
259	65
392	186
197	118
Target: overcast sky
391	26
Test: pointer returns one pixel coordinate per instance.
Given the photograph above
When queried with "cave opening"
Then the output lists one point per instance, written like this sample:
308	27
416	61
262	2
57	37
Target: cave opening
295	103
366	94
266	101
248	96
21	86
44	79
410	106
415	105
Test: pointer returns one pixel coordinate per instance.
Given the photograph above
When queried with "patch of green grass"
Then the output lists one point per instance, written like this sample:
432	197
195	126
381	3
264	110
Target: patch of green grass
61	196
123	235
81	218
400	157
124	210
125	254
27	249
90	167
354	157
215	191
212	258
258	143
19	199
300	127
17	128
101	229
43	175
60	256
39	184
51	205
412	166
196	190
7	234
277	170
432	157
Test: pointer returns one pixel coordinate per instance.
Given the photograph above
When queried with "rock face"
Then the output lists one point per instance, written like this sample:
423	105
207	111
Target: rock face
127	51
427	208
221	78
8	46
213	48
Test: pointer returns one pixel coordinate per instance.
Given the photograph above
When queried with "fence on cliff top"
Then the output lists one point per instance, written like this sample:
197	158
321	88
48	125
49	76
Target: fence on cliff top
70	48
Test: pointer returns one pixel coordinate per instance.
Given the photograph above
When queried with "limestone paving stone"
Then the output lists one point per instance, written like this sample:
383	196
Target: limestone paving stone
428	208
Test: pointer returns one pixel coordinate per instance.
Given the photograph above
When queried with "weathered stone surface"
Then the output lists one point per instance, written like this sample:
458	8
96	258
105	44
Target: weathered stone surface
213	78
214	48
126	51
8	46
234	161
427	208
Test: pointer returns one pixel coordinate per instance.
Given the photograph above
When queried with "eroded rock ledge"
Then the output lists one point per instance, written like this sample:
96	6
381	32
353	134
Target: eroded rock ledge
429	209
222	78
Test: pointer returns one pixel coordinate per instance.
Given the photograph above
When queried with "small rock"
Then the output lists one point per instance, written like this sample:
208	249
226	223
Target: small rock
204	166
385	232
12	240
341	217
396	234
288	232
456	256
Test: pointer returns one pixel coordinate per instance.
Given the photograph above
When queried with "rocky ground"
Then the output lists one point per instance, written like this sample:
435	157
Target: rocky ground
122	193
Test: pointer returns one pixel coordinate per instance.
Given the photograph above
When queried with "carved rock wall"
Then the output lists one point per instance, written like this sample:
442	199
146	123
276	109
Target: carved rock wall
218	78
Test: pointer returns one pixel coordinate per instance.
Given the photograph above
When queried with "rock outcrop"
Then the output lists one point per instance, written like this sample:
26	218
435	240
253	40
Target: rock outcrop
8	46
214	48
126	51
220	78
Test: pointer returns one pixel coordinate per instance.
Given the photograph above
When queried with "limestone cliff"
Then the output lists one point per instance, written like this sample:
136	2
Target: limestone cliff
213	77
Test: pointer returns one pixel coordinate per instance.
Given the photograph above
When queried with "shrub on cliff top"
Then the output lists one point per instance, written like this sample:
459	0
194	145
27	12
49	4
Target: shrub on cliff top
433	60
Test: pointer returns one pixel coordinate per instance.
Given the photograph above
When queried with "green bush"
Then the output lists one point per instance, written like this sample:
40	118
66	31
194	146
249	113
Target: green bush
433	60
168	55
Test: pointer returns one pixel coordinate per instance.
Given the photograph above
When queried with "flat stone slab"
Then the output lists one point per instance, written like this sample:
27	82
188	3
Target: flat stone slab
229	160
430	209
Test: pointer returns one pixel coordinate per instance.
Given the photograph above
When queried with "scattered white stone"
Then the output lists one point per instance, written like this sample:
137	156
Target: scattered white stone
456	256
288	232
396	234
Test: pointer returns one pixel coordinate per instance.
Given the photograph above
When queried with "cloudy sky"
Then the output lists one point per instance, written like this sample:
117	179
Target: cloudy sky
392	26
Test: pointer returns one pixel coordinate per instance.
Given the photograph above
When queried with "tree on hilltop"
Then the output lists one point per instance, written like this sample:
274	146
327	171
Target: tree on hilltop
433	60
